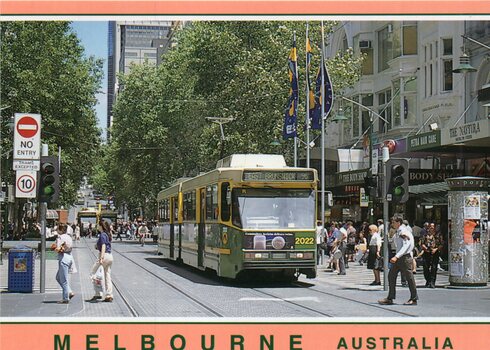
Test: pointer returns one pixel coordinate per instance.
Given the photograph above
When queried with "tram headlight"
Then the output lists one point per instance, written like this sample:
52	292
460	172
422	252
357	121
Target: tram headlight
301	255
256	255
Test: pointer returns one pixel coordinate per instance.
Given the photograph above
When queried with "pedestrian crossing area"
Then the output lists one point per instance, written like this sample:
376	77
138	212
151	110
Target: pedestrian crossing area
359	277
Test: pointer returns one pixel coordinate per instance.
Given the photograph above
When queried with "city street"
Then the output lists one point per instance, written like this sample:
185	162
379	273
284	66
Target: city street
146	285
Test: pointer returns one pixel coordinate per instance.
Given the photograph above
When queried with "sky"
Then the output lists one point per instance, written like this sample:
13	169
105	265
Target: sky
93	36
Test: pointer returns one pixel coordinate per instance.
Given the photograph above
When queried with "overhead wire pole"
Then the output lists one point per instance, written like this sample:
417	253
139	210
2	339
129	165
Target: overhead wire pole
322	65
297	92
307	120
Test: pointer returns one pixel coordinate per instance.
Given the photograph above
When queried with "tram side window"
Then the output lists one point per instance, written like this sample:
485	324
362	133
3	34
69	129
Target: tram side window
175	201
225	201
190	206
164	211
212	202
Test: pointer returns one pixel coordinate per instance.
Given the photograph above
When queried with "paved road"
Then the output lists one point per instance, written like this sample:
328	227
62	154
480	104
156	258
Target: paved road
149	286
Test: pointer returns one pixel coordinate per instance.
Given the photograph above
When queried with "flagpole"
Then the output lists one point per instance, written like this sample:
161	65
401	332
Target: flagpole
323	130
296	126
307	121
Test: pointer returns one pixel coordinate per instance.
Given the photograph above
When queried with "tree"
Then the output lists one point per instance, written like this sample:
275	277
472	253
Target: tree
217	69
44	71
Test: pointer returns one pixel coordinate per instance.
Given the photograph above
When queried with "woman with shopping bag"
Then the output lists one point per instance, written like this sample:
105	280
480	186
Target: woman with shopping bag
105	260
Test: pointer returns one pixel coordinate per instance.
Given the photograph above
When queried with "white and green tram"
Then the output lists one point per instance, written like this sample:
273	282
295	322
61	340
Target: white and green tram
252	213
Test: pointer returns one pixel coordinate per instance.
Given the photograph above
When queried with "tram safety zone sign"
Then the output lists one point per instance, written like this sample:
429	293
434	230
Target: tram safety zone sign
26	184
27	136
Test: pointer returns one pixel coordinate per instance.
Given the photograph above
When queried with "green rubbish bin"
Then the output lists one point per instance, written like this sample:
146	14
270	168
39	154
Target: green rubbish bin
21	269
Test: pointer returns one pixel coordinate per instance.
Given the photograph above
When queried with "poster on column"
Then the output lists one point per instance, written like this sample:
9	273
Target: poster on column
472	207
230	57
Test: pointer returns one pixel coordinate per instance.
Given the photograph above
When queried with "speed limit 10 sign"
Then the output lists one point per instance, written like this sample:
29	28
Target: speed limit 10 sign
26	184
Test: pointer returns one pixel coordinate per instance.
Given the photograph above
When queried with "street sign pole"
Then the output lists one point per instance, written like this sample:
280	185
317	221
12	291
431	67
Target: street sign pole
42	220
43	207
386	208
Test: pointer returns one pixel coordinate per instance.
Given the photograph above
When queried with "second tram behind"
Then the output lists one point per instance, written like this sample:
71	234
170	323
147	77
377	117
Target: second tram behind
251	213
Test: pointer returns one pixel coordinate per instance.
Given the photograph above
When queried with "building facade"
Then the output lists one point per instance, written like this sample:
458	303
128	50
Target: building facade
133	42
414	97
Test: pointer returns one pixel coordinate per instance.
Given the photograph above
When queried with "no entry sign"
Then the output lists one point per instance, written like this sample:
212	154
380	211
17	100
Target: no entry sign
27	136
27	126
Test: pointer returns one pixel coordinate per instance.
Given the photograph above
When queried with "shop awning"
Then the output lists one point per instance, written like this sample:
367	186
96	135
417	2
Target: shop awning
50	214
430	194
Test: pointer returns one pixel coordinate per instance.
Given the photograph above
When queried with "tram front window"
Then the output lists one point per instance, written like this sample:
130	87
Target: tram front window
269	208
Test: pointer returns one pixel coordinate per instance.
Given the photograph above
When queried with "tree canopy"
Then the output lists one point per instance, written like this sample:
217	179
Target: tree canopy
223	69
44	70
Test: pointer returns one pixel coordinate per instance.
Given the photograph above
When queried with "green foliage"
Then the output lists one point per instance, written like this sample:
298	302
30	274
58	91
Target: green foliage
216	69
44	71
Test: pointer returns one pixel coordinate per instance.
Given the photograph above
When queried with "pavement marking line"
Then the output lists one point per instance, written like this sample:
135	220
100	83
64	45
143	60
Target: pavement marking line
315	299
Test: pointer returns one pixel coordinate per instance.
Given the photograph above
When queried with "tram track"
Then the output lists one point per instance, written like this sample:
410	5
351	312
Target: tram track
299	284
116	286
258	291
208	309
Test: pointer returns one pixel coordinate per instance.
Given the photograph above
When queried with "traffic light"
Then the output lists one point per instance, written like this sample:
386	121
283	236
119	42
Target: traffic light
49	180
371	185
397	180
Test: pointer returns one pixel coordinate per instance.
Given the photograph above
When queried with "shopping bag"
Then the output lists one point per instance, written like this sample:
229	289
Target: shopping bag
73	268
97	280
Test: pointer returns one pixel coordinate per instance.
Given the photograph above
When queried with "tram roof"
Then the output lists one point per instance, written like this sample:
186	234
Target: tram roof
230	168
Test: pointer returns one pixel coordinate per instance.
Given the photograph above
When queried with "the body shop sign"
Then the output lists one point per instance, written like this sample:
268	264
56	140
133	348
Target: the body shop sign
466	132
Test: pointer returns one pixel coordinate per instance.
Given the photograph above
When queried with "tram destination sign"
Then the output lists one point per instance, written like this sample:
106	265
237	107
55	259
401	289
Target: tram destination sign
278	176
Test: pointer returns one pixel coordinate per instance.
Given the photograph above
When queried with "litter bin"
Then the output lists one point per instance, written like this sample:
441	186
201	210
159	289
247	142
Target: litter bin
21	269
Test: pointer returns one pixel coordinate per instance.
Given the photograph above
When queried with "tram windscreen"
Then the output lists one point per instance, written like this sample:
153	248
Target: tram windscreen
270	208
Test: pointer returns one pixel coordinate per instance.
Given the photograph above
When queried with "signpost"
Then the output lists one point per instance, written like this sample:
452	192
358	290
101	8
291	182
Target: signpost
27	152
26	184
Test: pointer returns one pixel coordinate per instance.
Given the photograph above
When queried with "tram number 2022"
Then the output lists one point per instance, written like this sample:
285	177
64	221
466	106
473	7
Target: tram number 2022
303	240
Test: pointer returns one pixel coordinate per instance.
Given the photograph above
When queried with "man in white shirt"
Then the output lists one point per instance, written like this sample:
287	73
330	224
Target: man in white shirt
402	262
320	239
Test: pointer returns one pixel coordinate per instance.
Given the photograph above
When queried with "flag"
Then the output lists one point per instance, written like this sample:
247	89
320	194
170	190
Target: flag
292	106
311	97
316	121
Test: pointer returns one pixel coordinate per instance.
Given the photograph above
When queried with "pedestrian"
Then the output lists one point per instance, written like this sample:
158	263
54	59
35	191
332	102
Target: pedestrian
320	241
105	260
119	232
64	245
341	244
142	232
89	231
77	232
431	245
350	243
375	262
401	262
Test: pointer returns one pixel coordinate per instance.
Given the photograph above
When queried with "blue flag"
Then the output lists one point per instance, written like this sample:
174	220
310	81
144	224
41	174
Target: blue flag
290	113
311	97
316	121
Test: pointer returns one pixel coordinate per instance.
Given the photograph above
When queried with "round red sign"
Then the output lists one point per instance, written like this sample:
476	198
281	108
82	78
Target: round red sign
27	127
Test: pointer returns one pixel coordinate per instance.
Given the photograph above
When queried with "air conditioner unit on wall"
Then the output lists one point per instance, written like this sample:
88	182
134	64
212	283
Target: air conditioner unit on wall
365	44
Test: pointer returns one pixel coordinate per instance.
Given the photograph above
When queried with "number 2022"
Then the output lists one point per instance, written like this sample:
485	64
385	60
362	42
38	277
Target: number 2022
303	240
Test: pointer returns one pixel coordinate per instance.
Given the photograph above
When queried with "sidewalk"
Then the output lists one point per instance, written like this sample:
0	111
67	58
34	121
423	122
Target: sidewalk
38	304
359	277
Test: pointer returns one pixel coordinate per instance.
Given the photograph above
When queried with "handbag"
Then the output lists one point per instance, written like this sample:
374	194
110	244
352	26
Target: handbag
378	263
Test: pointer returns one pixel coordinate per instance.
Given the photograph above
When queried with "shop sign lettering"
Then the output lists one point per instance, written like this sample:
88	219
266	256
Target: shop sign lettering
423	141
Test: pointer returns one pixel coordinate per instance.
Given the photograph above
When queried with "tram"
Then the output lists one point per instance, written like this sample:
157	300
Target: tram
252	213
85	217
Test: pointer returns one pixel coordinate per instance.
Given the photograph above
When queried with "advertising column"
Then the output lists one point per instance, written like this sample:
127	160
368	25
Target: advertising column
468	215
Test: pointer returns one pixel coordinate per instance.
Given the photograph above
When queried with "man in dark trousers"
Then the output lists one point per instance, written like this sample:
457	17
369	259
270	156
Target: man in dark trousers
432	245
401	262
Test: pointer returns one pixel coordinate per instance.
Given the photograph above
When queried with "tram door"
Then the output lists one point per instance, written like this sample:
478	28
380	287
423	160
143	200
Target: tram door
172	228
201	230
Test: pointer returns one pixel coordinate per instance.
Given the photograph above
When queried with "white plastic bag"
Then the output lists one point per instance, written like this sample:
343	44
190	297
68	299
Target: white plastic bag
98	280
73	268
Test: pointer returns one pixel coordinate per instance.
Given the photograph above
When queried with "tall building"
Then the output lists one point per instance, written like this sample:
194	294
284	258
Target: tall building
133	42
424	91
